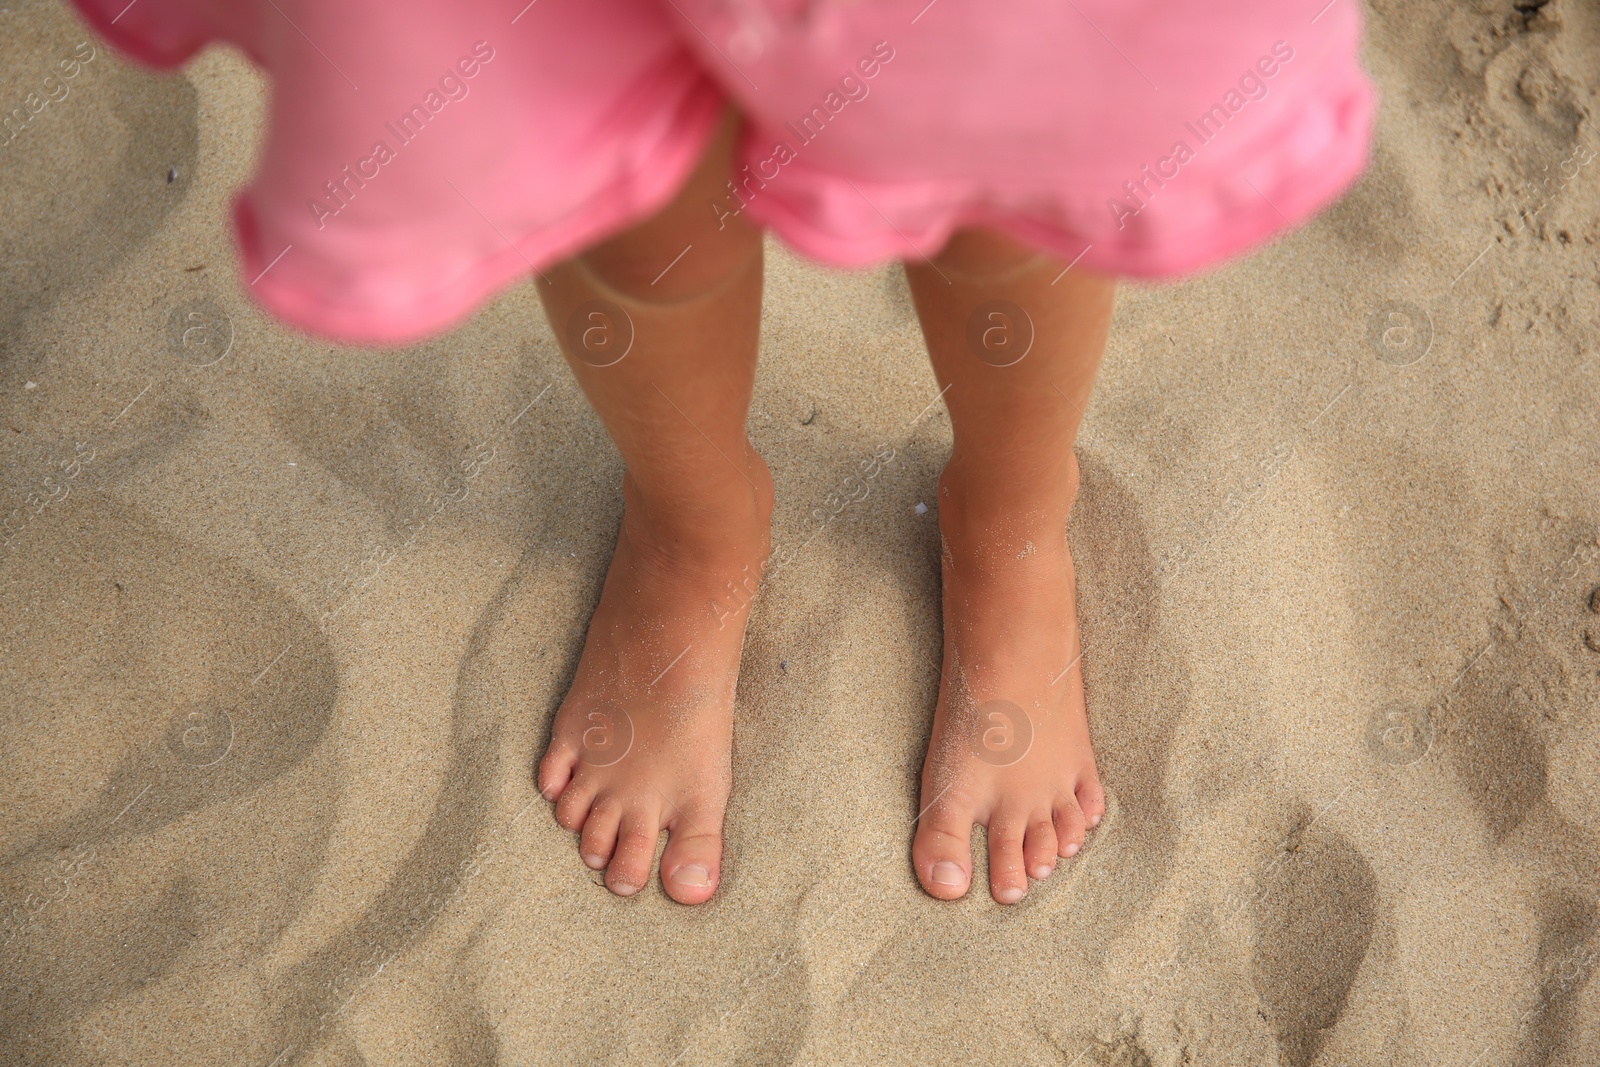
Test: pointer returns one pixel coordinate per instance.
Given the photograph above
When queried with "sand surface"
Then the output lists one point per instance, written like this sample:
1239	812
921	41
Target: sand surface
274	670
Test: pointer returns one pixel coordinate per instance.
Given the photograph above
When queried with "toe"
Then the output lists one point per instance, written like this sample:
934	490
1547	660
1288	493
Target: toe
1091	798
692	861
1008	880
636	848
555	770
1069	825
942	850
599	839
1038	847
573	807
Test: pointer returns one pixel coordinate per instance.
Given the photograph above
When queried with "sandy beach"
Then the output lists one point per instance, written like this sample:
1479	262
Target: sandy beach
285	624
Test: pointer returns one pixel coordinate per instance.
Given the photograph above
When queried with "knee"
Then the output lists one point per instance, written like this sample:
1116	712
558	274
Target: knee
670	264
980	254
688	248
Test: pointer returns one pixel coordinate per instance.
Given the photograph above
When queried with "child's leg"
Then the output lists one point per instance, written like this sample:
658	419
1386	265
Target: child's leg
642	741
1010	744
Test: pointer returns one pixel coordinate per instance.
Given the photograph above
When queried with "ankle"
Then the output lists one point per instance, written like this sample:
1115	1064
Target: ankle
715	524
983	502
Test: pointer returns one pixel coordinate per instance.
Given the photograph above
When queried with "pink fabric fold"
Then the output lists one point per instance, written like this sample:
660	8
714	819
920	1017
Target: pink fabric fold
422	156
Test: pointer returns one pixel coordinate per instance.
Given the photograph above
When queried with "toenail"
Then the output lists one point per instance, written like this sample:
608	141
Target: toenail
947	873
1072	849
623	889
1094	820
596	862
1008	895
1042	872
693	874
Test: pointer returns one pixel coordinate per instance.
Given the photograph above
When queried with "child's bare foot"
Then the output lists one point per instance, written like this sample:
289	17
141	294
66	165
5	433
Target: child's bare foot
1010	746
642	741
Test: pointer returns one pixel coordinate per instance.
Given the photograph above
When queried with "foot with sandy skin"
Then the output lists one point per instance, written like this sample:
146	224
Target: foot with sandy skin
642	742
1010	746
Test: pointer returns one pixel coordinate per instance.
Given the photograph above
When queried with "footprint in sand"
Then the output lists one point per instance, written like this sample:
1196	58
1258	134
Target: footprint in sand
1314	918
1496	725
1517	732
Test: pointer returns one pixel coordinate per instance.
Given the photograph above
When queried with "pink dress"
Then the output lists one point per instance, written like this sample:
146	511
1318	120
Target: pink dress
423	155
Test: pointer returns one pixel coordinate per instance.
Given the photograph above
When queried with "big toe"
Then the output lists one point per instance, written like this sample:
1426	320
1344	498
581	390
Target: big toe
942	853
691	865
